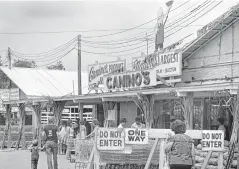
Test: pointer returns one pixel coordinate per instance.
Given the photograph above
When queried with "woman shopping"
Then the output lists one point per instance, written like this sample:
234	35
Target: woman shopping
180	147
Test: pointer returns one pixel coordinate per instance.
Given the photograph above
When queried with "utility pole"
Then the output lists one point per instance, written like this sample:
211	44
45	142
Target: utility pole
9	58
147	39
80	106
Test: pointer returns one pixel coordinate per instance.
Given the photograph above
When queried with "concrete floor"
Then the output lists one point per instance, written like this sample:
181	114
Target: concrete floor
21	159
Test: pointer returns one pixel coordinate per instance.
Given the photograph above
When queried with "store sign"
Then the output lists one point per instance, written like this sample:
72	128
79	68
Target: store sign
10	94
214	23
136	136
110	139
14	94
96	72
212	140
167	64
130	80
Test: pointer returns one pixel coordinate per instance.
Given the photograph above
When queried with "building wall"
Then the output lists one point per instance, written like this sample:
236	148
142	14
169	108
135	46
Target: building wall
215	66
128	110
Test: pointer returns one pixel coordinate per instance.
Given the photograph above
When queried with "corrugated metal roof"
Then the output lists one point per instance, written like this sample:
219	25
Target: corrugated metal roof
211	31
39	82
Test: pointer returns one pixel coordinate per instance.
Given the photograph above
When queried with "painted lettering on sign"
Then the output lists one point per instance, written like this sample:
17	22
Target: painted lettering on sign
97	71
131	80
136	136
212	140
166	64
110	139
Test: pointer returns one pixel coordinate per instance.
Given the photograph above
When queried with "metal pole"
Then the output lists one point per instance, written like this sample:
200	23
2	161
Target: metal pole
79	65
80	106
147	44
9	58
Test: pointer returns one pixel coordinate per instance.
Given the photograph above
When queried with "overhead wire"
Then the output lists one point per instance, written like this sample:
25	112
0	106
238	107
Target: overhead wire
199	12
125	40
132	27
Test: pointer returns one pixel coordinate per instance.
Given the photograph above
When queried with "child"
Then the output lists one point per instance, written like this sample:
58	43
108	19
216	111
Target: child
34	153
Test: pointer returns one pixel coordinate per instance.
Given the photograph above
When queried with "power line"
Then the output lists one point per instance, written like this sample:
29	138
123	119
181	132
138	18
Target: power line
125	40
111	34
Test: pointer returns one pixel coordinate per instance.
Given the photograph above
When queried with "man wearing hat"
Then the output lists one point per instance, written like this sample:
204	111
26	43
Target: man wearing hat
50	140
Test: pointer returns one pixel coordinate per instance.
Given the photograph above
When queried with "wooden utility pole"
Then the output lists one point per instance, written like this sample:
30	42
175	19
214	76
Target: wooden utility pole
80	108
9	58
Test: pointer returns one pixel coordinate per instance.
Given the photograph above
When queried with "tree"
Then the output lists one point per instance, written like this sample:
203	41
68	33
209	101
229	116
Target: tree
24	63
57	66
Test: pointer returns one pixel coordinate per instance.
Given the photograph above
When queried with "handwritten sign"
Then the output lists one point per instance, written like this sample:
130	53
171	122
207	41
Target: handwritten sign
212	140
136	136
97	71
167	64
110	139
83	150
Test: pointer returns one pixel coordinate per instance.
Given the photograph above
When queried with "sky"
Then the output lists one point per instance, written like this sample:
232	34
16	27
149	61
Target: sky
106	27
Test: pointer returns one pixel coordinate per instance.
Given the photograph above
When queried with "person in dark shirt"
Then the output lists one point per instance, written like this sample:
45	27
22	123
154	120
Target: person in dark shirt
88	127
50	141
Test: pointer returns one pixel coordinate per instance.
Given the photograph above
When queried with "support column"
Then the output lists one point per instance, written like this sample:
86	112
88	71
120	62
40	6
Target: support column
81	110
22	113
58	107
188	108
37	110
7	130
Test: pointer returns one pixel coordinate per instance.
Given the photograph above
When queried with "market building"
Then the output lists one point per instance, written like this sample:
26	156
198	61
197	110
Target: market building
196	82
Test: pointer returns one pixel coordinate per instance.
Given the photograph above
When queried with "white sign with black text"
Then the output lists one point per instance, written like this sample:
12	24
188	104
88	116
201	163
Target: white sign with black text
136	136
97	71
110	139
212	140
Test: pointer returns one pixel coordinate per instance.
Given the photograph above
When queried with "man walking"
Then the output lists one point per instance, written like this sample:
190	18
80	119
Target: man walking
50	140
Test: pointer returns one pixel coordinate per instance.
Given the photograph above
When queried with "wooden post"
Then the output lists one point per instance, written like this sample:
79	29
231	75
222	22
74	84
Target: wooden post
161	153
96	154
151	154
220	160
9	142
23	135
206	160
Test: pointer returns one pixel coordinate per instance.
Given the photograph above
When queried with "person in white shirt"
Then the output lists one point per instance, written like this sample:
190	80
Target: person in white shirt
138	124
122	123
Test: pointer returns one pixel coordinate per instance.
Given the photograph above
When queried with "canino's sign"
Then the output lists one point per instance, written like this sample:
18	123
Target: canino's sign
97	71
136	136
166	64
130	80
110	139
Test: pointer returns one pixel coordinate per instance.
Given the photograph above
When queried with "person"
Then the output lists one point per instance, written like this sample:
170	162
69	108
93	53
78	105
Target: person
34	153
50	141
69	136
122	123
62	137
180	147
88	127
138	124
222	127
82	131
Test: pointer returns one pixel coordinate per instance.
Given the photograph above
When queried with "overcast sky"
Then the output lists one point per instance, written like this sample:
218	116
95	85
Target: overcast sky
33	18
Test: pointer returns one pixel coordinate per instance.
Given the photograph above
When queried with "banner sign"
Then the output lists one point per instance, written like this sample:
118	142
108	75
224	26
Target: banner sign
110	139
136	136
96	72
130	80
10	94
167	64
212	140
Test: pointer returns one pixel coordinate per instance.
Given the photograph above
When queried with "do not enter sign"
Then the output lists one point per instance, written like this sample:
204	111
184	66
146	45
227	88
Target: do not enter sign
212	140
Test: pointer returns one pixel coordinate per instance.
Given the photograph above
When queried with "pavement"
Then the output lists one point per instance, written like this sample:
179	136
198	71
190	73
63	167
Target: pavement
21	159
